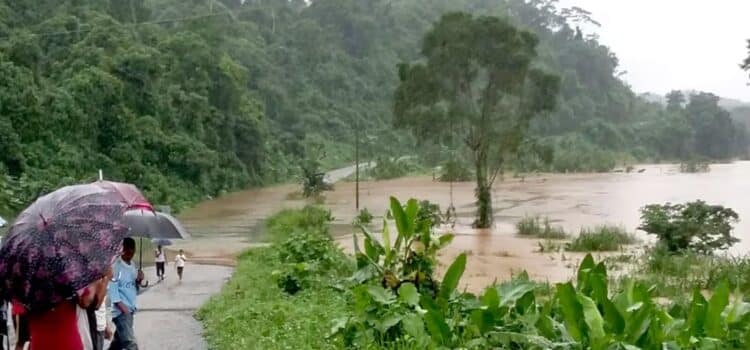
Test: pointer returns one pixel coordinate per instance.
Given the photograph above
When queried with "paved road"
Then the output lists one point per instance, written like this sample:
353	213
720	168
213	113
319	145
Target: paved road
165	318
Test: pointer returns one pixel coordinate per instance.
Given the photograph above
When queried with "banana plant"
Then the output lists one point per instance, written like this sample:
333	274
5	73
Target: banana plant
410	257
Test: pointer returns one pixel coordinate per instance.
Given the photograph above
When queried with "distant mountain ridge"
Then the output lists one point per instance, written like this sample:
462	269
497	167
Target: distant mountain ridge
726	103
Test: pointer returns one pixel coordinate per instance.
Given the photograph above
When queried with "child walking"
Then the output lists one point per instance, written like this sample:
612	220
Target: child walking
179	261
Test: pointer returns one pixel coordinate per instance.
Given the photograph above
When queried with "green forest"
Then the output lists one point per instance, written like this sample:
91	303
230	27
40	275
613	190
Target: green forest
192	99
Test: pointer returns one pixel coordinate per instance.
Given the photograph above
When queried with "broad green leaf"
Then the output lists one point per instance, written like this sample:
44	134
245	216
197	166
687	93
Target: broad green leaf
511	291
545	325
437	327
387	322
490	298
697	314
445	239
453	276
371	250
591	316
414	326
587	264
386	237
339	324
365	273
525	302
571	310
638	322
737	312
412	209
716	305
614	321
408	294
402	223
483	320
381	295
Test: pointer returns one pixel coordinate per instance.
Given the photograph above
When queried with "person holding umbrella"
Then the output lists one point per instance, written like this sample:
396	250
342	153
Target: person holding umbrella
57	256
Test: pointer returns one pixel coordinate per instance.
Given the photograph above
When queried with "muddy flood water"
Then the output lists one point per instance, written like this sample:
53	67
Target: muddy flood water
223	227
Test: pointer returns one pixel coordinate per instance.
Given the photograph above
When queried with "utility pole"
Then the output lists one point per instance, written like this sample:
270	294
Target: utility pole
356	169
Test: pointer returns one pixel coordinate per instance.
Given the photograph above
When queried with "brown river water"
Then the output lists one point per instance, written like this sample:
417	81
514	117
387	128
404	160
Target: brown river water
224	227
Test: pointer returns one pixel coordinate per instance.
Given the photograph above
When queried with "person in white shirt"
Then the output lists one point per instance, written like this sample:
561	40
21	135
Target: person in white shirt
179	261
92	314
161	260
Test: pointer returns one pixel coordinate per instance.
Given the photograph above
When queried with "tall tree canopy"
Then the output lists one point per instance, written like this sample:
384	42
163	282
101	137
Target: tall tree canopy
190	99
478	81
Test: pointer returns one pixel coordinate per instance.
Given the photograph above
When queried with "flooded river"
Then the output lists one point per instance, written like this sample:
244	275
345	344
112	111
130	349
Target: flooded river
225	226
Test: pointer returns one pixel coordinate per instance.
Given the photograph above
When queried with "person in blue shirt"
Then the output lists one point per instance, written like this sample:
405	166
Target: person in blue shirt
122	292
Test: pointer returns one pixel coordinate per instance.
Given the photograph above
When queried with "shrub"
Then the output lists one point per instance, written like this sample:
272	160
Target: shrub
312	177
286	222
363	218
601	239
535	226
694	166
389	168
695	226
455	170
429	213
306	258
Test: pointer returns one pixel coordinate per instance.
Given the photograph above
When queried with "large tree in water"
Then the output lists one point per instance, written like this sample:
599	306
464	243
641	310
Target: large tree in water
477	81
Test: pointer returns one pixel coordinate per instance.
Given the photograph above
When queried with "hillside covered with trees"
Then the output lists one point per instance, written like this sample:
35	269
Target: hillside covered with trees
190	99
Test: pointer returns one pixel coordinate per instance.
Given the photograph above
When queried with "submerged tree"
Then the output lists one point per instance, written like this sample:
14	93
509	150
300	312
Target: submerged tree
478	81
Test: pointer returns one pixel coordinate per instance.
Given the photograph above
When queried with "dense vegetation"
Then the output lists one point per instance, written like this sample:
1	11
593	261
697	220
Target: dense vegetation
190	99
392	298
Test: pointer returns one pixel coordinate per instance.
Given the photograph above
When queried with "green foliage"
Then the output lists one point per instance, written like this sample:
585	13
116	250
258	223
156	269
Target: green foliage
676	274
535	226
694	166
602	238
280	226
411	257
313	179
455	170
478	81
386	305
694	226
192	109
363	218
253	313
574	154
429	213
389	168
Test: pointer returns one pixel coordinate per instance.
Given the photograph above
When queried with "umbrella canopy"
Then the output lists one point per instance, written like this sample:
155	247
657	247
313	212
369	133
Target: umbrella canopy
161	242
65	241
149	224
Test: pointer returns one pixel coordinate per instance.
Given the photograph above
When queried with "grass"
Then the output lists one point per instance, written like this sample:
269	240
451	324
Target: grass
678	274
603	238
536	227
253	313
311	218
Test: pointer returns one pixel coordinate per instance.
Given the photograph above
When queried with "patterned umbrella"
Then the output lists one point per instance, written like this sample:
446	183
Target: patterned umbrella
64	241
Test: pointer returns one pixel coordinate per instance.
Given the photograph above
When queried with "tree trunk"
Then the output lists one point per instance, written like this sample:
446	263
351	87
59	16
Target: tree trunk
483	191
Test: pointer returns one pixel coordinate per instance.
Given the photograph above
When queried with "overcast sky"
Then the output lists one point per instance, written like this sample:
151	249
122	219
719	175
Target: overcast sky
677	44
